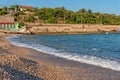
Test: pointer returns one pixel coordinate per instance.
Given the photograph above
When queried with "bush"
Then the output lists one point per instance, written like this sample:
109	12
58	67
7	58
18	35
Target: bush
52	20
3	12
21	24
30	19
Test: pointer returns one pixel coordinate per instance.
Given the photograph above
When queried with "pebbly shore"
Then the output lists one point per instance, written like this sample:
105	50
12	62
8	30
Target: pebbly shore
19	63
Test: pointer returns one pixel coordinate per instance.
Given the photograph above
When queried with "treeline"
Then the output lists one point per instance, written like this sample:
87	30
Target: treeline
60	15
83	16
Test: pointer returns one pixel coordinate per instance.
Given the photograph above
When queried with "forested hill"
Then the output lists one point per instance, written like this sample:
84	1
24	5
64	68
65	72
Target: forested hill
60	15
83	16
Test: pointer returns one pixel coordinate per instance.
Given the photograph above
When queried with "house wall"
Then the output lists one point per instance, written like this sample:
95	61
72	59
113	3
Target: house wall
7	19
7	22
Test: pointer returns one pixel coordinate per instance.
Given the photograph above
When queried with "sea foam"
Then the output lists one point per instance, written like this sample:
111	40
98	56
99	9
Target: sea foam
106	63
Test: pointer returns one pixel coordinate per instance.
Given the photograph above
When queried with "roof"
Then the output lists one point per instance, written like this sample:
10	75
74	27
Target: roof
26	7
6	22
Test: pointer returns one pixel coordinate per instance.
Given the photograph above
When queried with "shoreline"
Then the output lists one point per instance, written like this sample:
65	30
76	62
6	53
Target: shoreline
50	67
57	33
33	28
110	64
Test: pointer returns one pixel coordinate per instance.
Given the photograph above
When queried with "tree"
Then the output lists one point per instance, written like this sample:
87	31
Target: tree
14	7
3	12
89	11
83	10
30	19
83	16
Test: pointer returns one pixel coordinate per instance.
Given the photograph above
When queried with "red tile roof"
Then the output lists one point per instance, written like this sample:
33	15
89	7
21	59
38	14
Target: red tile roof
6	22
26	7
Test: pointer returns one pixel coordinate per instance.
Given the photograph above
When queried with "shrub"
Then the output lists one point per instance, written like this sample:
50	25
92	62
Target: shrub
21	24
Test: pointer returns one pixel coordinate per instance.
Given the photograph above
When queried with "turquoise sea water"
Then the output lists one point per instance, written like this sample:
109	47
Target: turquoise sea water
97	49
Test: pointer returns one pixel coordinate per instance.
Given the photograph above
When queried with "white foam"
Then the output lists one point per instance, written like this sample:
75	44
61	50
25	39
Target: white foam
106	63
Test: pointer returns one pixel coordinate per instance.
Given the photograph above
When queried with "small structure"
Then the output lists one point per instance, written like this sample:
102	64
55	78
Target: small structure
27	9
7	23
24	8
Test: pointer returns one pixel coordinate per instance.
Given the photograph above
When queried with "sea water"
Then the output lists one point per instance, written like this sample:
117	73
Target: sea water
96	49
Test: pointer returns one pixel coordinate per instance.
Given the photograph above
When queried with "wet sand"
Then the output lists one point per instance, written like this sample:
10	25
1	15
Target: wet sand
18	63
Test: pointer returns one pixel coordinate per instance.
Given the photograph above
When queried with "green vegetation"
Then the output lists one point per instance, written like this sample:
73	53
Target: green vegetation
3	11
13	7
21	24
60	15
83	16
29	19
19	13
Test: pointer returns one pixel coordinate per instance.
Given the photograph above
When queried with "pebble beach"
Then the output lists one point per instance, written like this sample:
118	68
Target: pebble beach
19	63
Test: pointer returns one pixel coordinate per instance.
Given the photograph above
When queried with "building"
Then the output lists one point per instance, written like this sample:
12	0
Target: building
7	23
24	8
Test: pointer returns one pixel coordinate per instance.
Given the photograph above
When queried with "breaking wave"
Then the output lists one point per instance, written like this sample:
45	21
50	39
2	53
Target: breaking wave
106	63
